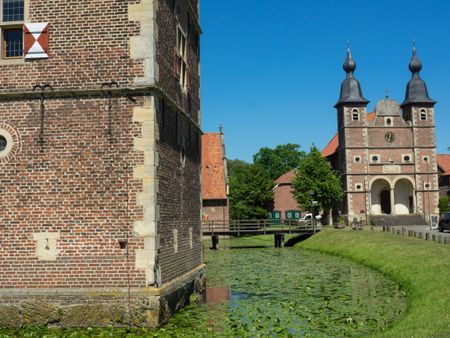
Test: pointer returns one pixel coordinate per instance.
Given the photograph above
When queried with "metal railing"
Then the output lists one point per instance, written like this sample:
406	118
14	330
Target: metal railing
255	226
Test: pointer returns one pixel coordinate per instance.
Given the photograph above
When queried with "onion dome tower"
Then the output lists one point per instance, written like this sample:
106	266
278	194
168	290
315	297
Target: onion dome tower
416	90
350	88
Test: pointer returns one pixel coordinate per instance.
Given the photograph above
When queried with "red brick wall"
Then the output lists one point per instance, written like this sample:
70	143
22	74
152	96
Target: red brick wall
179	193
80	183
167	24
216	210
284	199
364	140
89	45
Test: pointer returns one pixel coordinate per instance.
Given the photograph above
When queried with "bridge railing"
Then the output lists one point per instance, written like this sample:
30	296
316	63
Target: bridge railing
253	225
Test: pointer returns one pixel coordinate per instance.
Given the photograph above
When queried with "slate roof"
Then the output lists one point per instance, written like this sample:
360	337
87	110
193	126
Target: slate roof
350	87
213	167
416	90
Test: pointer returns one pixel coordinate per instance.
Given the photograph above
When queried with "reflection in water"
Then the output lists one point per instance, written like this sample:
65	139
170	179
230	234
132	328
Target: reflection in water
276	293
217	295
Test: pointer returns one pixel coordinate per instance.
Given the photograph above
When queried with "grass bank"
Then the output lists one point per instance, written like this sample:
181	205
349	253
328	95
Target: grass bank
422	268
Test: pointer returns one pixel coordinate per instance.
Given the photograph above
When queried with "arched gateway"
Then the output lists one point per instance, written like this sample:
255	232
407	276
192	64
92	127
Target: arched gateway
387	198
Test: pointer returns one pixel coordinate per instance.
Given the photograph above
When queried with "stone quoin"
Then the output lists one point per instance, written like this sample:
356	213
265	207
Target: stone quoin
100	149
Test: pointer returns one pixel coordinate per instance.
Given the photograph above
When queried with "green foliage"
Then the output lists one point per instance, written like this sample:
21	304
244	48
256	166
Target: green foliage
279	160
443	204
421	267
316	180
234	166
250	192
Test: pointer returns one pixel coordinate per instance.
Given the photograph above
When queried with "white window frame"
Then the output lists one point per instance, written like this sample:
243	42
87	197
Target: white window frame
410	158
182	45
355	157
355	114
386	121
358	187
11	25
377	161
422	113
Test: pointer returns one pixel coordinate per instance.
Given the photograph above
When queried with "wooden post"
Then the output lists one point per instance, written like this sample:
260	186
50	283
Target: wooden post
215	242
279	240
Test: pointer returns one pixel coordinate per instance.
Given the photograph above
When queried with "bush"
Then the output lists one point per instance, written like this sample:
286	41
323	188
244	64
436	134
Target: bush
443	204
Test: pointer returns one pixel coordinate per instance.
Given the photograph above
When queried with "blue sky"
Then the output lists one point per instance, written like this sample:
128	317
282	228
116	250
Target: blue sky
271	69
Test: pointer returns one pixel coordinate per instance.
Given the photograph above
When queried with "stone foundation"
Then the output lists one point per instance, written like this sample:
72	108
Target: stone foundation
146	307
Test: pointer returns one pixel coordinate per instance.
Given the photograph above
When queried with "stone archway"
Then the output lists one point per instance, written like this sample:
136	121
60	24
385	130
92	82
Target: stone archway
404	197
380	197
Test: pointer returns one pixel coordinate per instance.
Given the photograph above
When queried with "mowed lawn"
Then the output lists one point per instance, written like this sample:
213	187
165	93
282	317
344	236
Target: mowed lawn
421	267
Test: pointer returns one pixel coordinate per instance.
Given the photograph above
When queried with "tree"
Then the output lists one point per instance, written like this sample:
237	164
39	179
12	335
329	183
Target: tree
443	204
279	160
316	180
234	166
250	192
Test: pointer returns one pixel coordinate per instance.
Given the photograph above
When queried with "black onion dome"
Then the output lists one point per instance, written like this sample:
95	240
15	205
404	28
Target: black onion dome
416	89
350	88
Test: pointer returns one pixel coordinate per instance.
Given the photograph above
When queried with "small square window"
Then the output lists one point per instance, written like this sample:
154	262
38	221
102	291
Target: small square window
426	159
427	186
358	187
13	10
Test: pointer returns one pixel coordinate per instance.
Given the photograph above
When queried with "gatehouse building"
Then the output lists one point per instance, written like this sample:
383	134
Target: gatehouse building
386	158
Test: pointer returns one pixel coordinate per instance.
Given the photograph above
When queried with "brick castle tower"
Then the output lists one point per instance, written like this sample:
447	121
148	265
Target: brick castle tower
387	159
100	145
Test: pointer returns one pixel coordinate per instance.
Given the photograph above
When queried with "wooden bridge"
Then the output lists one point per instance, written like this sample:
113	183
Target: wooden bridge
237	228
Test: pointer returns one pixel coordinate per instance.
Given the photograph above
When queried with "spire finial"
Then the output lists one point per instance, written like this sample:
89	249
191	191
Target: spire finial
350	88
416	90
386	93
415	65
349	64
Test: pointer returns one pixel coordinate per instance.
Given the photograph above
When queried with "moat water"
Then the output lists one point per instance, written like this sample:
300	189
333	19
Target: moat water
288	292
266	292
